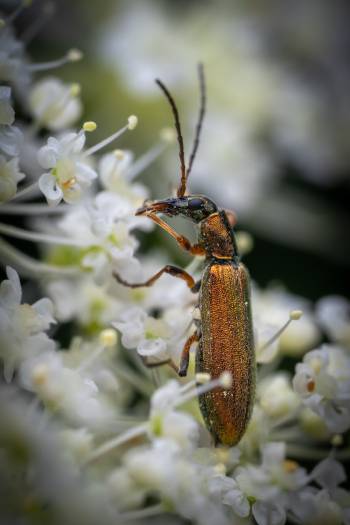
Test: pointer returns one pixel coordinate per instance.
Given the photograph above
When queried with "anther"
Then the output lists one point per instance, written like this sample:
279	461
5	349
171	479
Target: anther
108	337
75	89
74	55
295	315
132	122
226	380
202	378
119	154
89	126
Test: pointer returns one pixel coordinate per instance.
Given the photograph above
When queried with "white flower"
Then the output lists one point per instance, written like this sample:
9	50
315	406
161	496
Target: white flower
271	309
168	424
322	381
11	139
65	391
160	338
69	175
333	313
9	178
55	105
13	67
103	228
83	300
276	396
7	114
22	326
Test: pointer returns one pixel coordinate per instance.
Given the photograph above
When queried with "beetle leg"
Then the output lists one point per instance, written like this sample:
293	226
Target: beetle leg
185	355
183	242
171	270
196	287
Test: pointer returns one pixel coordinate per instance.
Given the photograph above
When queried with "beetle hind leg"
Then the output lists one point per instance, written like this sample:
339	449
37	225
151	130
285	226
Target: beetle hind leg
185	355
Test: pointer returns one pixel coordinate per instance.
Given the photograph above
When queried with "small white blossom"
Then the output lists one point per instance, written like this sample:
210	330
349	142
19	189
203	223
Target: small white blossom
276	396
7	114
160	338
69	174
100	225
333	313
322	381
168	424
11	139
22	326
13	66
55	105
10	176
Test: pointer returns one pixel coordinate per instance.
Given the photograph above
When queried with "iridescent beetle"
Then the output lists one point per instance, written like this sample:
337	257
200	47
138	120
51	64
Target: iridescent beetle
224	331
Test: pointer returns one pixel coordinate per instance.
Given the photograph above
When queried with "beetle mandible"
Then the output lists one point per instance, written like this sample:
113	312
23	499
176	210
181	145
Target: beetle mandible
224	331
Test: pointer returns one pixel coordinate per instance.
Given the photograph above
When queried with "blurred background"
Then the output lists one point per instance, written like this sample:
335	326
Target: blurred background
275	146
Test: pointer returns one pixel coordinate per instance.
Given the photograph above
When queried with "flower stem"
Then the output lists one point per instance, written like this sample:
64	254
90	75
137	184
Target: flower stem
154	510
117	441
19	233
24	191
30	266
32	209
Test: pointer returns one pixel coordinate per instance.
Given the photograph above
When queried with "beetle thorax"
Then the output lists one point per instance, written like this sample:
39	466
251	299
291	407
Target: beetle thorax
216	236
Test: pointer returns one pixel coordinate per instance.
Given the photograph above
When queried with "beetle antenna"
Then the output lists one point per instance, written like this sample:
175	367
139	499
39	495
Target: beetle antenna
182	187
200	117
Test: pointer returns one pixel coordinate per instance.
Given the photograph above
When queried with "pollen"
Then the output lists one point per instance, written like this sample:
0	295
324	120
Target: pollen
75	89
202	378
108	337
226	380
132	122
74	55
290	466
69	183
90	125
119	154
310	385
40	375
295	315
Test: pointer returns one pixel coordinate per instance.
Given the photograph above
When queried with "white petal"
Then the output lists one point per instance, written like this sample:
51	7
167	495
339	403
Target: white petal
152	347
47	184
47	157
268	514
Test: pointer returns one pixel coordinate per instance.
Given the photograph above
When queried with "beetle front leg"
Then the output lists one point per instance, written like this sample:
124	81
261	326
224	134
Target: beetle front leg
183	242
185	355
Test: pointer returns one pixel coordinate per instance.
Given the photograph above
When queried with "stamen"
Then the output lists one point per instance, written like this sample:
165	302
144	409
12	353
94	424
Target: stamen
22	5
24	191
32	209
89	126
147	512
73	55
108	339
19	233
142	163
47	11
294	315
117	442
132	123
224	381
32	267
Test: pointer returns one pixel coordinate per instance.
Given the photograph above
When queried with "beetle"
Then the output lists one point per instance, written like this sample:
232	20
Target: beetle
224	330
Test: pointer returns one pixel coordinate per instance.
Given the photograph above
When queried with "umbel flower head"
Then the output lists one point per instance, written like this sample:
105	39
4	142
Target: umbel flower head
88	433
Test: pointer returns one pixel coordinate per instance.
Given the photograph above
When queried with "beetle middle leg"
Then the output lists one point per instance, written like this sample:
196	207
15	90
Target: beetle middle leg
171	270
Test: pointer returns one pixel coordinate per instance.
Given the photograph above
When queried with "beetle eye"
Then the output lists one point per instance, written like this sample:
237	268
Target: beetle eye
195	204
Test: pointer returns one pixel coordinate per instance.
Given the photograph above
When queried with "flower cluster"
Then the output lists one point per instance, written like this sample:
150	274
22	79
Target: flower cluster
88	433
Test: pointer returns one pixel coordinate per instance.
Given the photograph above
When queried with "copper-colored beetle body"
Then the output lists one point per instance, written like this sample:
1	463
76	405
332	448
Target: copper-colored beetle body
226	342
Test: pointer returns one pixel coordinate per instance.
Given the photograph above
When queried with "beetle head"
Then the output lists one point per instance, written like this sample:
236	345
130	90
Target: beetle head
194	207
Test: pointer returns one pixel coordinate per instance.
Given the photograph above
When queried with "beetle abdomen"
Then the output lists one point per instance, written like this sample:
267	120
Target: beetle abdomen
227	344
